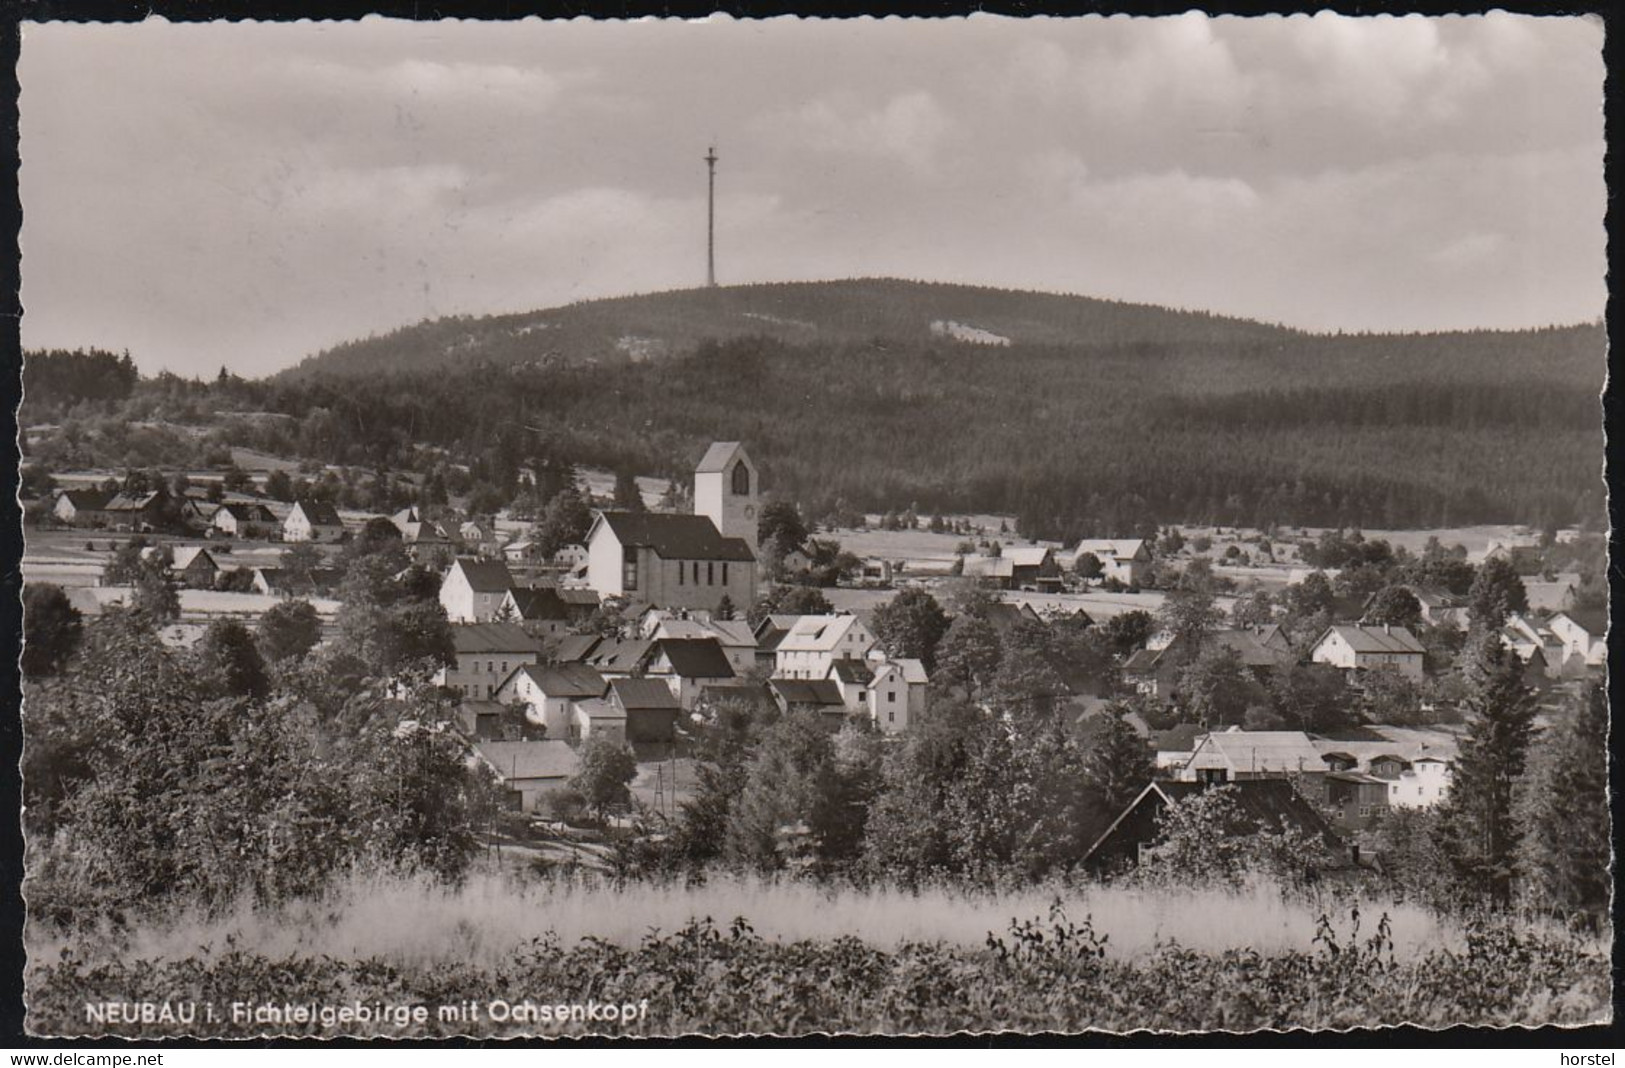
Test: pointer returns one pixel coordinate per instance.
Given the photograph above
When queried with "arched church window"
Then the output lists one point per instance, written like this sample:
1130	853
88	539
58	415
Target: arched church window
741	480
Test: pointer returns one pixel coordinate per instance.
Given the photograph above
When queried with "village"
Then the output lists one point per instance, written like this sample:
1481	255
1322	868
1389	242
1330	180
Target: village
1215	646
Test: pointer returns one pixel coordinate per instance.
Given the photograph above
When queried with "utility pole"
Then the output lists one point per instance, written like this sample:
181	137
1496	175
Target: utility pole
711	218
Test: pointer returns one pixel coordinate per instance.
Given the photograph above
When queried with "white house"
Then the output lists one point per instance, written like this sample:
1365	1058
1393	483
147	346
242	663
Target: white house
1123	559
1584	637
243	520
676	561
551	693
688	666
1353	647
1423	785
896	695
852	678
473	591
734	635
312	521
82	508
598	718
486	654
1228	756
812	644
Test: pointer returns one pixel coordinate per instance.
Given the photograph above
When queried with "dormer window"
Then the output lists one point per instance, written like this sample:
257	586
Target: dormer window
741	480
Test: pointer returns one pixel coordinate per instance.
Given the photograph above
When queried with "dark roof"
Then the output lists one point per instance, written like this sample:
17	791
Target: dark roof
569	680
322	578
737	690
1143	660
1180	738
676	537
768	641
1376	639
852	671
817	692
1594	620
134	502
249	513
572	595
492	638
643	693
486	576
321	513
618	654
696	658
1271	804
575	647
540	602
1004	615
92	499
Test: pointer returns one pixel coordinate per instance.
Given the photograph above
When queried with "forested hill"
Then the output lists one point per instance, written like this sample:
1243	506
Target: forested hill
1097	418
631	329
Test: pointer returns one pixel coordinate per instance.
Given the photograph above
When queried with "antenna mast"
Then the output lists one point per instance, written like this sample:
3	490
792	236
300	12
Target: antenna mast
711	218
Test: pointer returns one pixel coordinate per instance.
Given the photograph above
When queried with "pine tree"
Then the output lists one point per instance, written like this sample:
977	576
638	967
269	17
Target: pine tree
1563	861
1480	829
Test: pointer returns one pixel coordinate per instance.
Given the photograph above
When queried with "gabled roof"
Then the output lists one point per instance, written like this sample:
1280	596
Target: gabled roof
566	680
492	638
695	658
1270	804
1263	751
814	692
912	670
1143	661
728	632
539	603
322	578
1593	621
736	690
618	654
1027	555
1180	738
675	537
529	760
817	633
987	567
185	555
485	576
1249	645
245	512
133	502
1120	549
598	708
1005	614
640	694
575	647
93	500
718	456
319	513
1390	640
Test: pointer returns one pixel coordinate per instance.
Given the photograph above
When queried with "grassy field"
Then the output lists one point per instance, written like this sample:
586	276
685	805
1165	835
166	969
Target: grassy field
746	955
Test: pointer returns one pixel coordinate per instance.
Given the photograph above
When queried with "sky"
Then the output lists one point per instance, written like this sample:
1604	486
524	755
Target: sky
243	194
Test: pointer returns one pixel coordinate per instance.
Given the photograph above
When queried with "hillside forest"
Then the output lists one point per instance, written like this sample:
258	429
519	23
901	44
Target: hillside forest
1095	419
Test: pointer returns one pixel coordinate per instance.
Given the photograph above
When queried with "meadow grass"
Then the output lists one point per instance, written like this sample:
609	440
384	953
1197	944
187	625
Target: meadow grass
414	921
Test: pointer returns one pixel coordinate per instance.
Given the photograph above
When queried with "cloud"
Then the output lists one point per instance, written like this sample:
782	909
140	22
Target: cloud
908	128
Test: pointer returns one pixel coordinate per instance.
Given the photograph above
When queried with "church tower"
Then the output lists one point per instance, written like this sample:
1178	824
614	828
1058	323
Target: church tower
727	490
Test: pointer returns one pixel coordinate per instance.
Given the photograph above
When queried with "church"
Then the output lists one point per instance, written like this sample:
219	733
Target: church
685	561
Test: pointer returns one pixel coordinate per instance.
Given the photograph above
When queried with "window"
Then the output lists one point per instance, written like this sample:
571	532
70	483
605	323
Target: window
710	573
1365	810
891	696
629	568
891	717
679	572
741	479
696	572
504	667
724	572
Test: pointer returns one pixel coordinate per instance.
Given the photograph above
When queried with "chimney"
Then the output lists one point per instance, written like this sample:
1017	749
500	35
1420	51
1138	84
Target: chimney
1386	629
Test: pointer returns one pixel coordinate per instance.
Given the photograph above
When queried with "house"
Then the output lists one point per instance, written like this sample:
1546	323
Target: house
852	678
1175	745
136	511
685	561
1235	754
1541	651
312	521
1555	596
819	695
481	720
1153	672
1033	567
575	648
547	611
193	567
473	591
876	570
768	634
550	694
82	508
522	551
570	558
1423	785
1272	805
648	706
1584	634
1356	799
1004	616
813	643
486	653
529	771
735	637
197	515
280	582
997	572
897	694
1122	559
1360	648
739	693
243	521
688	666
422	539
597	718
